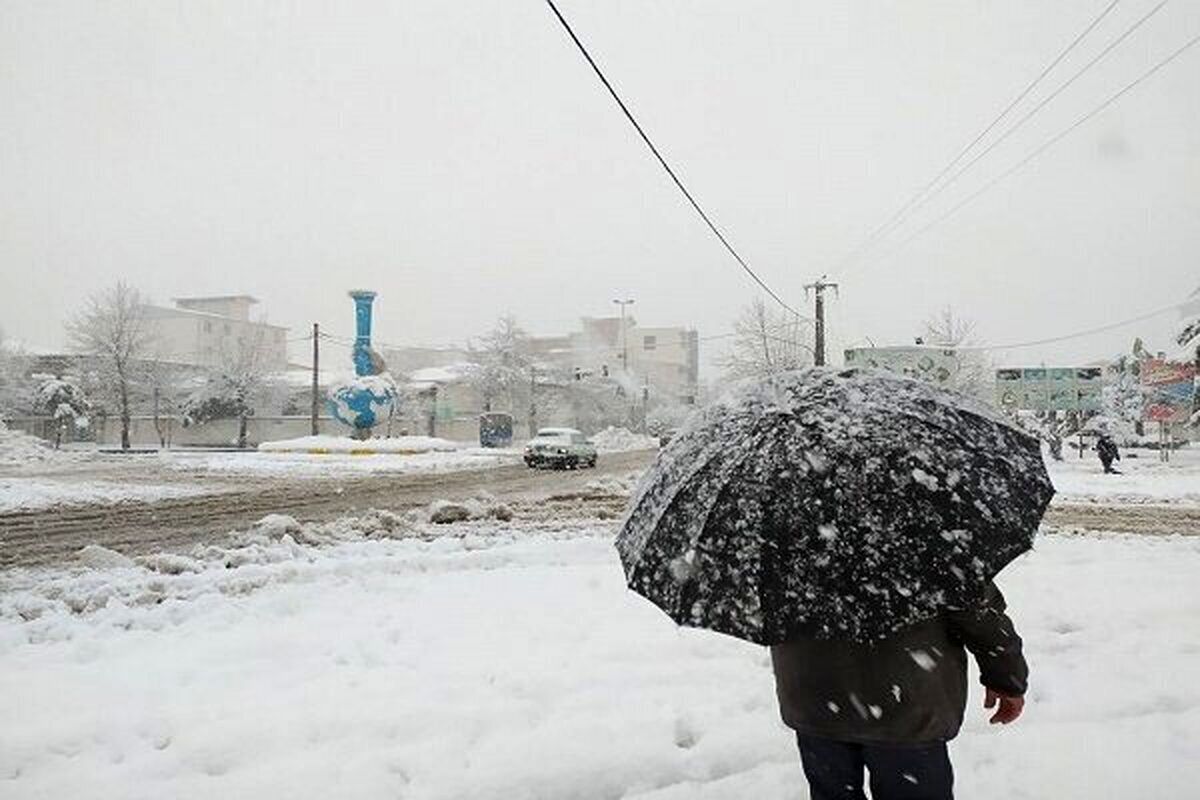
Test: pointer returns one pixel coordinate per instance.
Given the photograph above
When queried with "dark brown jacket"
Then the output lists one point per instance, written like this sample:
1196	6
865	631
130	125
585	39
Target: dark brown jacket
911	688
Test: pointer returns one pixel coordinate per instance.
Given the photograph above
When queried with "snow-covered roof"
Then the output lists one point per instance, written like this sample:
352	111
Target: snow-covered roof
214	298
556	431
452	373
164	311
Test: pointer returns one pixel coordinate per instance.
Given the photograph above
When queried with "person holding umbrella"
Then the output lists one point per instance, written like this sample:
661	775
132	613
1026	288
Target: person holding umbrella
891	706
853	521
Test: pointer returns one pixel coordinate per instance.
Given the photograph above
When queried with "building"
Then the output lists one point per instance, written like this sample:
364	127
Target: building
663	368
662	360
203	331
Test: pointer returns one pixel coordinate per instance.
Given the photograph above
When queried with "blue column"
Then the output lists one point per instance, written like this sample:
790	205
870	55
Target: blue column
362	325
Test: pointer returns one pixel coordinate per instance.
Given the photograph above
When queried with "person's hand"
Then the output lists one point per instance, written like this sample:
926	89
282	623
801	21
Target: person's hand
1010	706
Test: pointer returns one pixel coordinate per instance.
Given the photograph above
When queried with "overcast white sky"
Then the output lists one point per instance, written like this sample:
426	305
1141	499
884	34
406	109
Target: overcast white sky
461	159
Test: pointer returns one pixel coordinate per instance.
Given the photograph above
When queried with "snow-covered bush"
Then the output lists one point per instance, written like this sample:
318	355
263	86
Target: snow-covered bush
64	401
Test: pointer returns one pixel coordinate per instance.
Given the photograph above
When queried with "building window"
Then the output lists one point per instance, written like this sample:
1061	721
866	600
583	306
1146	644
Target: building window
207	326
650	343
227	328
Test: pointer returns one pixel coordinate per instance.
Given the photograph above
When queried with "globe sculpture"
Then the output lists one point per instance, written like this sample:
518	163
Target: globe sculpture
367	400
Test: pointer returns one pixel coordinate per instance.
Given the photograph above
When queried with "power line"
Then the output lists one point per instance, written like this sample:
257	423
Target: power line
898	217
1049	143
662	161
1045	101
1080	334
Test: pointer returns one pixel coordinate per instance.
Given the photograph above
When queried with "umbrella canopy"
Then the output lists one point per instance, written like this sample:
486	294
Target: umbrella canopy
832	503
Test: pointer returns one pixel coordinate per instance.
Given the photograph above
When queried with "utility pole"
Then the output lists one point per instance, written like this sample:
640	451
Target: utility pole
316	384
645	405
818	289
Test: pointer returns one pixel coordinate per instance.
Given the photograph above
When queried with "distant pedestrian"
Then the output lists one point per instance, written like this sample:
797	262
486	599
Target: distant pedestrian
1106	448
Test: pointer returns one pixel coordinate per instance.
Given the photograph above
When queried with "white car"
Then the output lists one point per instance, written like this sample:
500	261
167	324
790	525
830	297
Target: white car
565	448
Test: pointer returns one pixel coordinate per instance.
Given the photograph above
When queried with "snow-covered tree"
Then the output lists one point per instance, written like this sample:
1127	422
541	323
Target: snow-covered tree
111	328
502	366
767	342
1123	397
238	388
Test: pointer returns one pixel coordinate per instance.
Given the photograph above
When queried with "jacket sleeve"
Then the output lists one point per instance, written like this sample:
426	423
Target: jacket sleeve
989	634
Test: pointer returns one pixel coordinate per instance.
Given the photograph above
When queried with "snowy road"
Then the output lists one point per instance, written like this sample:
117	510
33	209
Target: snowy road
1146	518
507	661
53	535
198	498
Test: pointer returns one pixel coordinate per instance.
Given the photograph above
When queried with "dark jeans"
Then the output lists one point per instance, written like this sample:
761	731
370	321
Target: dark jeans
898	772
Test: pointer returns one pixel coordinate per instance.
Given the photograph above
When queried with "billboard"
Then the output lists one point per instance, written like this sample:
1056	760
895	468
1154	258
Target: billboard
934	364
1170	389
1049	388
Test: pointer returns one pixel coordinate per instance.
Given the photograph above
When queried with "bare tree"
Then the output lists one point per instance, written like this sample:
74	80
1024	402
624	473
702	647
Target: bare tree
238	387
112	329
767	342
948	329
951	331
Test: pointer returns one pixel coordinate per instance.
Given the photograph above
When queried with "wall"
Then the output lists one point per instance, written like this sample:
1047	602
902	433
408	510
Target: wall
218	433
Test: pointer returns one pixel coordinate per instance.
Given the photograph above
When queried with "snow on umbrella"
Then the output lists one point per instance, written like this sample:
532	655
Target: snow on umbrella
832	503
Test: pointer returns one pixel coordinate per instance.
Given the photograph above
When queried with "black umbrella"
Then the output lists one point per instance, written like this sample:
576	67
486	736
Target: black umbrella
832	503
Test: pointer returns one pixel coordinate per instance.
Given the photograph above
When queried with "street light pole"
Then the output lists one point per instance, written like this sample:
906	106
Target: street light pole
624	335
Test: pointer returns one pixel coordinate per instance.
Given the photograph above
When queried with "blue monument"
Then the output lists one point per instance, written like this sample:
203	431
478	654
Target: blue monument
367	400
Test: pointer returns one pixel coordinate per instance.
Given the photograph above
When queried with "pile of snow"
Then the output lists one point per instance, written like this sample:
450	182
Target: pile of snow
451	373
619	440
614	485
405	445
276	549
18	449
482	506
304	465
27	494
387	666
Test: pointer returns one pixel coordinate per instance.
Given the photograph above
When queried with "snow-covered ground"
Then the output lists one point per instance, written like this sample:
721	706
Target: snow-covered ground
19	449
359	659
26	494
1143	478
